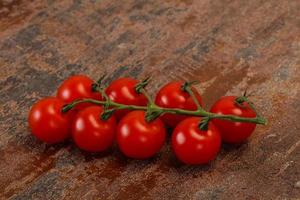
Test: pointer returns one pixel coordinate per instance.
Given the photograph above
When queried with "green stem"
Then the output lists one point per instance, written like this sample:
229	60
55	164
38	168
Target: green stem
199	112
187	88
256	120
144	92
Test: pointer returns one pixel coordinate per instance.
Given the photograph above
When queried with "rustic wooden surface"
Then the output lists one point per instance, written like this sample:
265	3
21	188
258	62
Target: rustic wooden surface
228	45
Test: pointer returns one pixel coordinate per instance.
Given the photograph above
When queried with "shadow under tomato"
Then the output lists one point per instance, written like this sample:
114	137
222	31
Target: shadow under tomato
90	156
234	147
120	157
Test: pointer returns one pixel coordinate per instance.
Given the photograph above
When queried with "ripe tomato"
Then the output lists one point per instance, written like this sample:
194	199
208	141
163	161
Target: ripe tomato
172	96
233	132
122	91
194	146
92	134
47	122
77	87
140	139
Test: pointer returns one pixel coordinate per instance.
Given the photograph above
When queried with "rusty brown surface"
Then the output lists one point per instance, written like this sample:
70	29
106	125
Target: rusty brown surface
228	45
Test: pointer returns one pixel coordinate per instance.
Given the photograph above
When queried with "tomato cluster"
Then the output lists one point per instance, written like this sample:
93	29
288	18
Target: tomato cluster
136	136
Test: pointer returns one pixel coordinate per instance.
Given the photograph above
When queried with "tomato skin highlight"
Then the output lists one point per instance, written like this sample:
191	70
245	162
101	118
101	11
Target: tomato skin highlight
77	87
122	91
194	146
172	96
139	139
47	122
233	132
92	134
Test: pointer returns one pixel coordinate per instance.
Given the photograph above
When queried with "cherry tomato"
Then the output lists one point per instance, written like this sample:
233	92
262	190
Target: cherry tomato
140	139
194	146
47	122
233	132
77	87
92	134
122	91
172	96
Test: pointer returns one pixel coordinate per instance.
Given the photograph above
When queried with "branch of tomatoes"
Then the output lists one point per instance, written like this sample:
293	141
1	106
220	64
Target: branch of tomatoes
137	122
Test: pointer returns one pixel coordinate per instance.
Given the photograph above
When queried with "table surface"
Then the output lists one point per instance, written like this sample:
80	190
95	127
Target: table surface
228	45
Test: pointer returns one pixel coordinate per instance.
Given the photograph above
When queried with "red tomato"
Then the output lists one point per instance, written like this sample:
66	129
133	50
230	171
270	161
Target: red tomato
47	122
140	139
92	134
193	146
172	96
122	91
77	87
233	132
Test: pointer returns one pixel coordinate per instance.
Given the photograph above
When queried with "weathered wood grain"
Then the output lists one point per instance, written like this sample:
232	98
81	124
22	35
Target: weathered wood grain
228	45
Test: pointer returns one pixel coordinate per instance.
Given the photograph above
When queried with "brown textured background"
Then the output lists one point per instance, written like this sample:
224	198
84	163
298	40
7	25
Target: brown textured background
228	45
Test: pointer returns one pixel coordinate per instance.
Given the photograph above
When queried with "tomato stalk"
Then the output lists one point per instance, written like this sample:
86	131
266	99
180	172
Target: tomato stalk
187	88
154	111
201	113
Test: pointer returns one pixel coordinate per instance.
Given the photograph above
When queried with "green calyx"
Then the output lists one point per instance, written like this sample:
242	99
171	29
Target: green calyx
97	86
187	85
107	114
141	85
203	125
